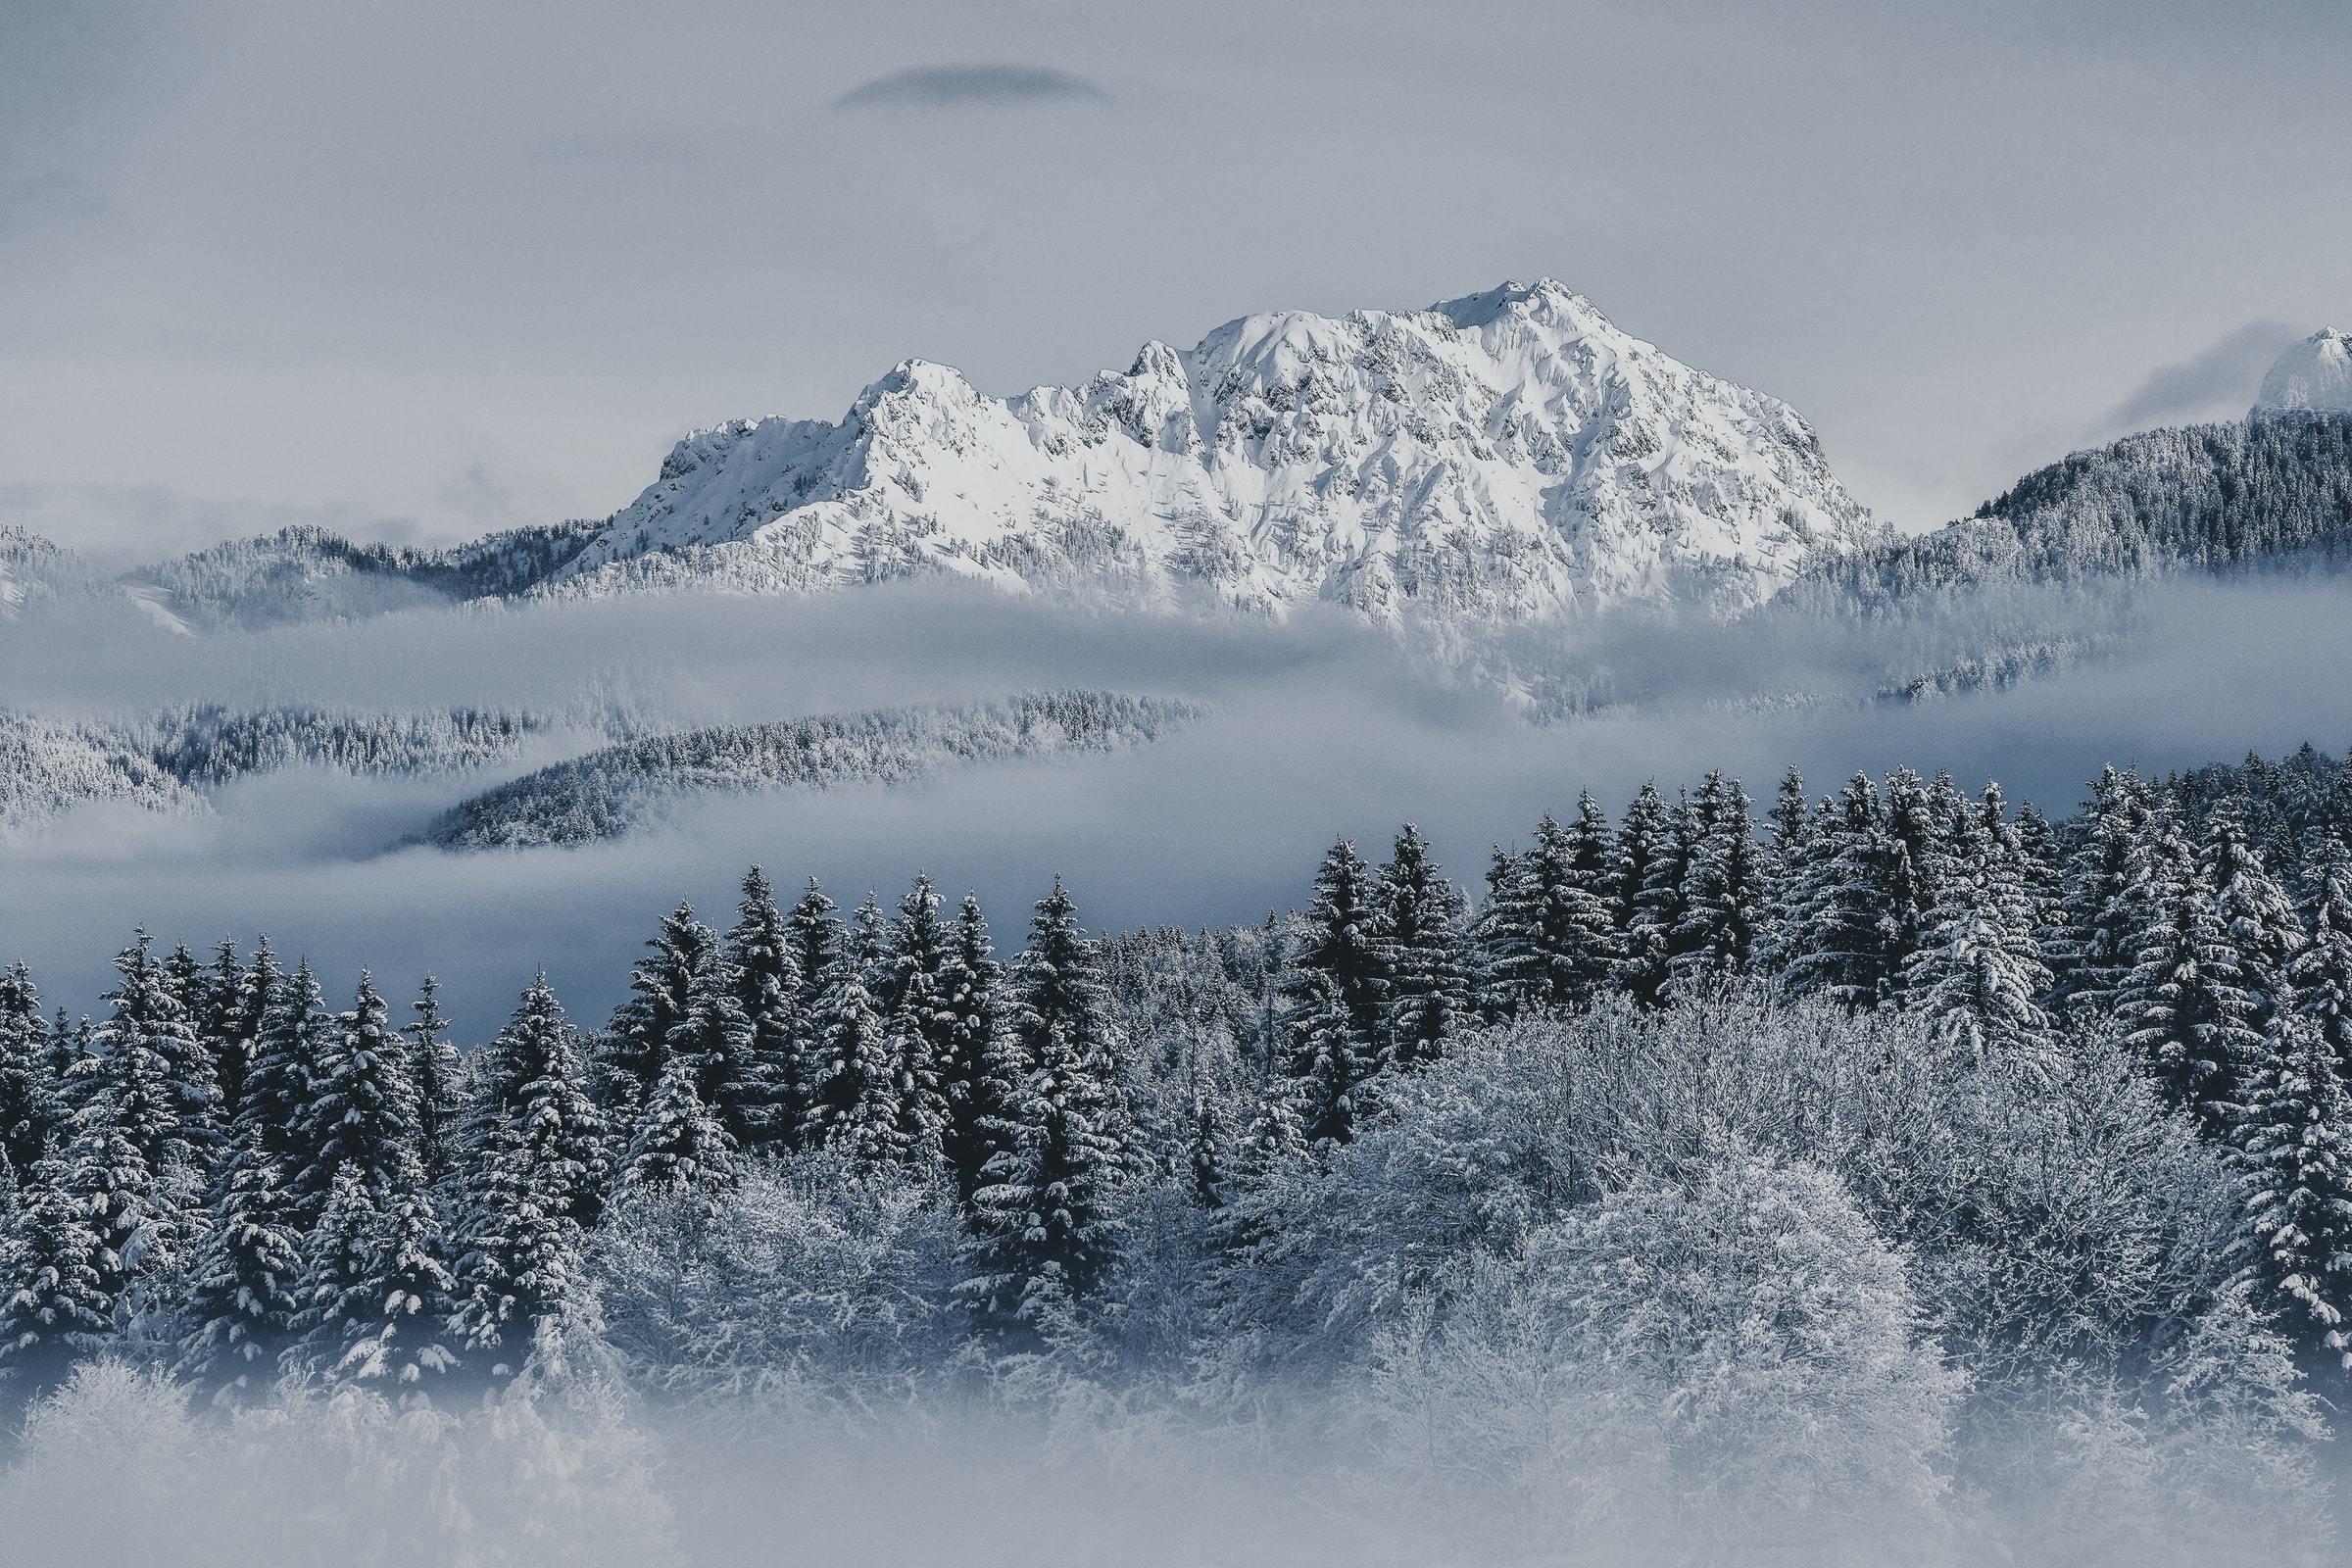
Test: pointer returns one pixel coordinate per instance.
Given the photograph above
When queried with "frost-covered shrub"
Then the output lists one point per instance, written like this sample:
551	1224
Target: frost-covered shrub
817	1281
1736	1361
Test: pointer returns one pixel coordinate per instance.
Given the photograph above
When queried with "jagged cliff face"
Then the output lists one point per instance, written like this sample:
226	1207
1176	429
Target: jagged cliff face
2314	376
1501	457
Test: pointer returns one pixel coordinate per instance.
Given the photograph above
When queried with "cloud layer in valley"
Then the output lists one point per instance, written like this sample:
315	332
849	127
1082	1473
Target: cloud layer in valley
1321	728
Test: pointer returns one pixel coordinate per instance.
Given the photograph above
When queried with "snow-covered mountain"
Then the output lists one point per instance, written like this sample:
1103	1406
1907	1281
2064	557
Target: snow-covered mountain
2314	376
1508	455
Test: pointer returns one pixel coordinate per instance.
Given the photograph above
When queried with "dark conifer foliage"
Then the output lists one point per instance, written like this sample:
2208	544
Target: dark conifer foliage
1336	997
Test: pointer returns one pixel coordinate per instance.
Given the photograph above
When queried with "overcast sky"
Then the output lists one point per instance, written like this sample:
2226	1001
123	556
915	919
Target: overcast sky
422	270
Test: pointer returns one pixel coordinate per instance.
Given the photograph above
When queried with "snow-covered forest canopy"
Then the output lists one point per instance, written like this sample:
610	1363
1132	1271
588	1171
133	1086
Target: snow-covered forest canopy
1888	1166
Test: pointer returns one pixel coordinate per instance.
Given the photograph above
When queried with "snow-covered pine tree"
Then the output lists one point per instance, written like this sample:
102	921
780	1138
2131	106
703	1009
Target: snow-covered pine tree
1842	943
438	1085
2040	862
2183	1005
713	1038
398	1335
296	1035
239	1300
1508	972
855	1106
976	1082
1043	1236
137	1221
2255	913
1421	951
637	1040
2321	975
57	1297
813	931
535	1180
760	954
334	1291
2296	1149
1790	826
680	1146
1725	899
1979	970
1335	996
1654	842
195	1071
2091	955
1919	817
530	1084
151	1062
31	1112
361	1119
921	1023
221	1028
1273	1143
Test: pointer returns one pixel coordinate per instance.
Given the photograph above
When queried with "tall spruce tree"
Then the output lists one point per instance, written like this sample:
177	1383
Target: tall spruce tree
1335	997
921	1023
153	1066
295	1038
680	1146
536	1177
32	1111
2185	1007
1979	972
1507	968
714	1038
57	1297
2092	955
2321	975
1845	940
2255	913
1654	842
637	1040
1043	1236
854	1108
1421	951
764	962
2296	1149
360	1116
398	1334
975	1083
240	1297
222	1028
1725	894
438	1085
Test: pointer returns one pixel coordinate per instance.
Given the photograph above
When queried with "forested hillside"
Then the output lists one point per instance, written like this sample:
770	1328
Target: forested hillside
2203	496
1899	1148
609	792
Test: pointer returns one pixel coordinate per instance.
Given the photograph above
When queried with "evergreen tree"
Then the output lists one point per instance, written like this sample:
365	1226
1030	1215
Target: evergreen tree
2321	975
1654	843
240	1297
761	956
152	1065
2183	1005
221	1027
1336	995
535	1182
1725	896
923	1023
336	1293
814	932
1844	939
1420	951
637	1041
2097	918
436	1085
976	1084
714	1040
532	1102
1042	1233
1979	972
680	1147
855	1108
398	1333
296	1037
362	1118
1791	822
2255	913
1919	818
1508	968
31	1113
2296	1148
56	1298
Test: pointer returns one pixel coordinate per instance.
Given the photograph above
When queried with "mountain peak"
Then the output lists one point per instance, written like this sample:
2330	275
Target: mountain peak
1501	455
2313	376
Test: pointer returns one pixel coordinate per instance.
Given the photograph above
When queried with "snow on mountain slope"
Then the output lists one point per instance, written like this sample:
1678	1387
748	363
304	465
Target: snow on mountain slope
33	568
2314	376
1504	456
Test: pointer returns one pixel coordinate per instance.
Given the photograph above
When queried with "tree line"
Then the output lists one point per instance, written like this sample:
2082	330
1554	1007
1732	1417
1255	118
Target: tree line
243	1181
